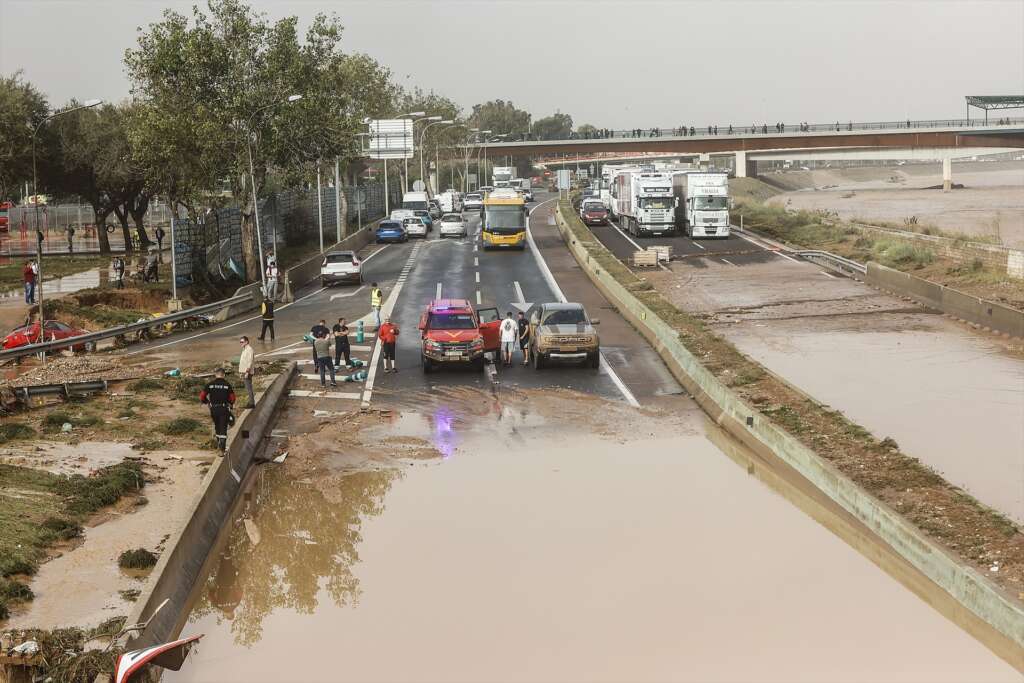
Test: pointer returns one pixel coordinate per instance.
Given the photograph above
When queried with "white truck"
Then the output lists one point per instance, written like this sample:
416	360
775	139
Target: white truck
644	202
608	184
703	202
502	176
450	201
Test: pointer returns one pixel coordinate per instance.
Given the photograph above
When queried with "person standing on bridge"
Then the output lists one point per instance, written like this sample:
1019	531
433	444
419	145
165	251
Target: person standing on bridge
118	272
246	364
219	395
267	315
388	336
376	301
509	336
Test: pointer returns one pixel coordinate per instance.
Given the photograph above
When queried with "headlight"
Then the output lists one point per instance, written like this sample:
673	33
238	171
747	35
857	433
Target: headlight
477	343
433	345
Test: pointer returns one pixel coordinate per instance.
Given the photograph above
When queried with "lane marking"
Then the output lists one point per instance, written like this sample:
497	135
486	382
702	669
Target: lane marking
553	285
476	262
828	275
779	253
519	292
437	292
347	294
478	277
304	393
281	351
730	262
478	302
698	244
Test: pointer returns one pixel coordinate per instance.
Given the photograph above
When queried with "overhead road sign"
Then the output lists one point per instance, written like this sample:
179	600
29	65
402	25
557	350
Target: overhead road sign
391	139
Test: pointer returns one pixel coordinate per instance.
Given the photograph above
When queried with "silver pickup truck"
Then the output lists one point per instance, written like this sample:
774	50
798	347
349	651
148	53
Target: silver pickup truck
563	332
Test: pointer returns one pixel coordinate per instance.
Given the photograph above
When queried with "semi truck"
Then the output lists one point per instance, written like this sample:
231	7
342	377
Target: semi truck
702	201
645	202
608	185
502	176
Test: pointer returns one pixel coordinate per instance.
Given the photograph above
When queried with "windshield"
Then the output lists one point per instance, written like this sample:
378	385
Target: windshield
339	258
451	321
711	203
593	206
413	221
415	205
504	219
656	202
451	218
389	225
473	196
564	316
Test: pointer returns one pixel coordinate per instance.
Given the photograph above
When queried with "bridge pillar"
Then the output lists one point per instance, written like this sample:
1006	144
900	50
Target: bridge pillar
745	168
947	174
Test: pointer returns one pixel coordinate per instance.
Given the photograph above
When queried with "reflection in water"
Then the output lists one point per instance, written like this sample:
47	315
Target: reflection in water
308	545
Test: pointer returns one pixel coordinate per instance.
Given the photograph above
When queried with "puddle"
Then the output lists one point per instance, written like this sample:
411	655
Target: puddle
64	458
606	545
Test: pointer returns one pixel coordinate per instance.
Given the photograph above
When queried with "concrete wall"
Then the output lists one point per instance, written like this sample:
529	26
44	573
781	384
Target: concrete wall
989	314
983	599
298	276
180	568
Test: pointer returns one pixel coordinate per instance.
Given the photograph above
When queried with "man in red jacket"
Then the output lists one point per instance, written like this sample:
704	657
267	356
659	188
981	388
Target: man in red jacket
28	273
388	334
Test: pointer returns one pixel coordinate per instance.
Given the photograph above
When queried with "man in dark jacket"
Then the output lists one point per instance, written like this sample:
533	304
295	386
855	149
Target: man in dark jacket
219	395
267	315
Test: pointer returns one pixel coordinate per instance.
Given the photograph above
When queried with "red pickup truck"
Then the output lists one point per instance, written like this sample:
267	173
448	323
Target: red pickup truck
453	332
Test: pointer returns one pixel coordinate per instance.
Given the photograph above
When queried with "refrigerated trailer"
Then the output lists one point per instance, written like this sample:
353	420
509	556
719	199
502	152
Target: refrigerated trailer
702	202
645	202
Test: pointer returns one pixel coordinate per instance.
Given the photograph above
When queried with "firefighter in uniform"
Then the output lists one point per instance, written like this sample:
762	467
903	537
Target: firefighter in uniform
220	397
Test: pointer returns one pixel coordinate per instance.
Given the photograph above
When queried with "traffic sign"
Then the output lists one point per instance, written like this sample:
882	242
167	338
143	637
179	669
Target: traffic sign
419	186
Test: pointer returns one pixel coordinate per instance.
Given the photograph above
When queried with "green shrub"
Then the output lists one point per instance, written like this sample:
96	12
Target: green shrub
895	254
85	495
180	425
147	384
139	558
55	420
10	431
11	590
61	528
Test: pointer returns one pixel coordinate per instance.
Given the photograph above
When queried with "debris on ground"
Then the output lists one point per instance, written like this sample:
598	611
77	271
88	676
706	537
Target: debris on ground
78	368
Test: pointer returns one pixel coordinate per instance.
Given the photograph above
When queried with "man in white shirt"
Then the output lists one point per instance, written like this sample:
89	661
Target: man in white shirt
509	337
246	364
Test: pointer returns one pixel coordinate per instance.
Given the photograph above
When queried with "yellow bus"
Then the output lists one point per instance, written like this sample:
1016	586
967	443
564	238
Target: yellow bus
504	220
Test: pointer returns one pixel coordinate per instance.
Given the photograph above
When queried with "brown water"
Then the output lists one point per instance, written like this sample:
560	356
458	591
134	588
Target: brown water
609	545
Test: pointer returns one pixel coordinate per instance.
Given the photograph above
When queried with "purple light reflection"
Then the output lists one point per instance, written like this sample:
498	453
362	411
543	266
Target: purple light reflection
444	433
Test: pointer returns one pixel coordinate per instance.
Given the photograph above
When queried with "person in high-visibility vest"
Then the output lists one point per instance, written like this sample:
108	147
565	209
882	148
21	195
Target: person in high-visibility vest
376	301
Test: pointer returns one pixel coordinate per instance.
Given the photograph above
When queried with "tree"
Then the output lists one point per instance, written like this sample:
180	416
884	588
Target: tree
586	131
558	126
228	75
436	136
22	108
501	118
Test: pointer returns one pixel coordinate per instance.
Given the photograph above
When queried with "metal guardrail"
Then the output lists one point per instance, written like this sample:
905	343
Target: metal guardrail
834	261
32	349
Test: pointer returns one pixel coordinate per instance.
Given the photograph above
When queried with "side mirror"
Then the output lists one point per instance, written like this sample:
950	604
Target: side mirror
595	321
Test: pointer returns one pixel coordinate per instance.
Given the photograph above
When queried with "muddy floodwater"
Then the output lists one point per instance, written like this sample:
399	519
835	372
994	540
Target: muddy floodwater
547	536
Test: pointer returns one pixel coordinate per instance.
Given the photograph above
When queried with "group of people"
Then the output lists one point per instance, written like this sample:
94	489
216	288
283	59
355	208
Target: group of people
514	333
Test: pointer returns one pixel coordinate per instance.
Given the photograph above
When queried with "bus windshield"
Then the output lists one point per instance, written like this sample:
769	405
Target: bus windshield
711	203
504	219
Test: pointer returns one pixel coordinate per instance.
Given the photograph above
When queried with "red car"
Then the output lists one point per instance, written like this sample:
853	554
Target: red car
451	331
593	212
29	334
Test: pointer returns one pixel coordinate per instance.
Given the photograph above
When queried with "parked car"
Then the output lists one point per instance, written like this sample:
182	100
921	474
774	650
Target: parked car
593	212
474	201
55	330
452	225
391	231
415	226
425	215
340	266
563	332
435	209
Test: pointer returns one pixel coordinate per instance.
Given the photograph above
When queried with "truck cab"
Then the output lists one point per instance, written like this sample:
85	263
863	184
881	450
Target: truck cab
453	332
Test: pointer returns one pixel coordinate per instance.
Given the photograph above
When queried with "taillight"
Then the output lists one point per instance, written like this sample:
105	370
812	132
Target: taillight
355	262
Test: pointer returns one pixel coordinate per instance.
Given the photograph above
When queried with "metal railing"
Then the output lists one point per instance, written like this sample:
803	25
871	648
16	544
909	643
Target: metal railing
93	337
835	262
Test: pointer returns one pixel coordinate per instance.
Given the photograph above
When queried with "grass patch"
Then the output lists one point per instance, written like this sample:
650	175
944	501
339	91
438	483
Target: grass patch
180	425
901	255
130	594
85	495
62	528
146	384
12	431
139	558
55	421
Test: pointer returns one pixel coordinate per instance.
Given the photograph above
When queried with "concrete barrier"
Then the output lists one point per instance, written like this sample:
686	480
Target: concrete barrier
300	275
972	309
180	568
983	599
254	290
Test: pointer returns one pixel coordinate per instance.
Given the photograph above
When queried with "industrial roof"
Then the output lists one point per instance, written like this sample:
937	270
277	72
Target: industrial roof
996	101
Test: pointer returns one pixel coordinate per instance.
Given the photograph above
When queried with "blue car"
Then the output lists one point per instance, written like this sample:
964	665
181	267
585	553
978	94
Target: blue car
391	231
425	215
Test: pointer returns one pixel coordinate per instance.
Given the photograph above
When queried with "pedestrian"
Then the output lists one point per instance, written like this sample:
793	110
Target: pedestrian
71	240
376	301
317	331
341	345
272	277
322	350
152	271
159	234
29	276
118	272
730	129
388	336
716	130
219	395
509	336
524	337
267	315
246	363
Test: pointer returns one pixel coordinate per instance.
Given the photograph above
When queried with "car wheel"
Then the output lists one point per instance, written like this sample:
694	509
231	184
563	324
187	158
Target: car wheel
428	365
538	360
479	364
594	359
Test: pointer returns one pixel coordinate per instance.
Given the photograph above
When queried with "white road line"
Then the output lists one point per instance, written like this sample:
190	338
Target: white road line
478	301
828	275
553	284
347	294
616	226
437	292
730	262
698	244
474	246
779	253
281	351
303	393
315	376
476	262
519	292
478	277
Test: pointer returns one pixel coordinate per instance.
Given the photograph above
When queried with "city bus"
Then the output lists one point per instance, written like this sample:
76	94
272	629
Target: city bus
504	220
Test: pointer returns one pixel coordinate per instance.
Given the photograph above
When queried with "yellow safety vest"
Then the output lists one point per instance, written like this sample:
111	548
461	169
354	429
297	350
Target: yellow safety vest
375	297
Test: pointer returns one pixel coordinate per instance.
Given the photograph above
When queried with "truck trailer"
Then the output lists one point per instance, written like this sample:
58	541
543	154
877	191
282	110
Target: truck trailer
502	176
702	202
645	202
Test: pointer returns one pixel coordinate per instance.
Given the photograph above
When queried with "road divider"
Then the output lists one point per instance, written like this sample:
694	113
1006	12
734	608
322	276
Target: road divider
989	604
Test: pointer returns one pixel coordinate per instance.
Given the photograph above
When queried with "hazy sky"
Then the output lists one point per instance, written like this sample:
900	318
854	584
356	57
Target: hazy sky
616	64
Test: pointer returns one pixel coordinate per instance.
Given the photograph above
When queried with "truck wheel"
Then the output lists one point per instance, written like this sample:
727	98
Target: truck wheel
538	361
594	359
479	364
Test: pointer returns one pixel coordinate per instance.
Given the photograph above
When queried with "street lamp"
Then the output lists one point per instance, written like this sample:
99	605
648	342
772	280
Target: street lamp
415	116
424	132
255	202
88	104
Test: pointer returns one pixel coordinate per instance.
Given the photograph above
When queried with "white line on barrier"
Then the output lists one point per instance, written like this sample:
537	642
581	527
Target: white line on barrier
779	253
519	292
557	291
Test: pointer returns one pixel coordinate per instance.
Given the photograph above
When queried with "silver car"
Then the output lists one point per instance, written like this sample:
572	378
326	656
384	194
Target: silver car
473	201
563	332
415	226
340	266
452	225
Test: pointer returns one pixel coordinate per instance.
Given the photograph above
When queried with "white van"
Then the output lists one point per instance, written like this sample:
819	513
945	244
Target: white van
418	201
451	201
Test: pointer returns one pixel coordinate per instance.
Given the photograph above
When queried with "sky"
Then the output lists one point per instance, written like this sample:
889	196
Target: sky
622	64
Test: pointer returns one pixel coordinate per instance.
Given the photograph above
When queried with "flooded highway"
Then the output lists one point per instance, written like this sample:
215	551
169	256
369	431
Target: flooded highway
543	535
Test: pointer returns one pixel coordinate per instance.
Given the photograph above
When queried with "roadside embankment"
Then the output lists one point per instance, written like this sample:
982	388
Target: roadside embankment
970	551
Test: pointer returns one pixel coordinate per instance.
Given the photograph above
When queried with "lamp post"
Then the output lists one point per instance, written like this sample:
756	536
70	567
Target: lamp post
252	179
473	132
480	168
35	192
424	132
415	116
